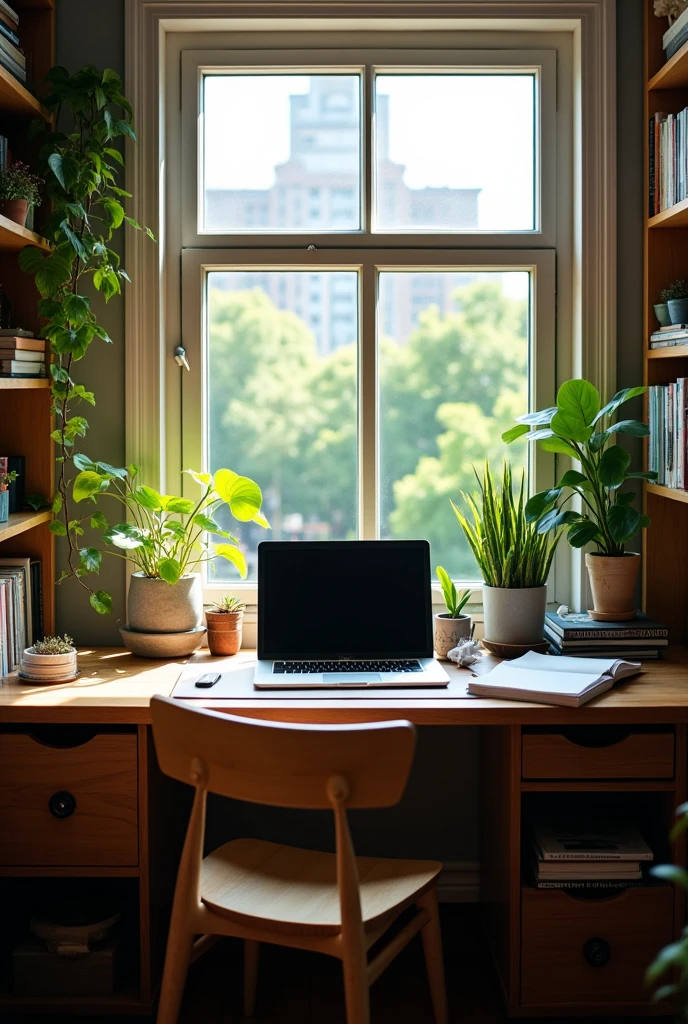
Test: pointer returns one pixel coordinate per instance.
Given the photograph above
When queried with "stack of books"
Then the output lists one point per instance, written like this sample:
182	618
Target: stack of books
579	636
21	609
668	176
666	337
675	36
587	854
667	406
21	355
11	57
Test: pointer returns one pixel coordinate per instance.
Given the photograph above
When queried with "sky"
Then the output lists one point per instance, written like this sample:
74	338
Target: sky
452	130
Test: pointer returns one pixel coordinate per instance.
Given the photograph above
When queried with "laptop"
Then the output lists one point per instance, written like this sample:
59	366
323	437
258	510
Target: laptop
345	615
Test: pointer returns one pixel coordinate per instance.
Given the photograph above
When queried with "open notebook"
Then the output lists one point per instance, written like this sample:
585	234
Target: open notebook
548	680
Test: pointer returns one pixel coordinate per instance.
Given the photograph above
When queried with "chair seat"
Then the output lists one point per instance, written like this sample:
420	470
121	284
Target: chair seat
294	890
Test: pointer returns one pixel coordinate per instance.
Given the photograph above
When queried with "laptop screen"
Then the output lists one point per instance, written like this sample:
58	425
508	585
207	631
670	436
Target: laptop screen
360	599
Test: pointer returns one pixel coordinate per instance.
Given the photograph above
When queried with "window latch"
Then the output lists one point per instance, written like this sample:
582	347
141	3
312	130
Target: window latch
180	357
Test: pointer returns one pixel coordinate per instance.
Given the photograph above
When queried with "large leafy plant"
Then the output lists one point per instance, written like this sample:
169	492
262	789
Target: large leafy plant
166	536
510	549
672	960
80	165
581	427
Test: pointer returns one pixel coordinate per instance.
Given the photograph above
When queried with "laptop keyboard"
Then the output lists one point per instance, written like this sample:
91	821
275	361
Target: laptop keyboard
311	667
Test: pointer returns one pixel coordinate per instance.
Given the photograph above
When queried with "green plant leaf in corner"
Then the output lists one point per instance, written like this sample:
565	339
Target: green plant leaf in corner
170	570
613	465
233	555
91	559
86	484
102	602
514	432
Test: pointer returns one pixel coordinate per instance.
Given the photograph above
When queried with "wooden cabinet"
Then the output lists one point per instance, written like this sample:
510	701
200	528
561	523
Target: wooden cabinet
73	805
597	752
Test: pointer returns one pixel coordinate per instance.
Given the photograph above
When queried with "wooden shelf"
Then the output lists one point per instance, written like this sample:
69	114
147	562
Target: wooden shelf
675	217
125	1002
13	237
674	74
20	522
672	352
16	99
667	492
23	383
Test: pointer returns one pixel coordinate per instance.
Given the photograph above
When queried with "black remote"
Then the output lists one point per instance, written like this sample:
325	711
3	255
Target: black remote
207	680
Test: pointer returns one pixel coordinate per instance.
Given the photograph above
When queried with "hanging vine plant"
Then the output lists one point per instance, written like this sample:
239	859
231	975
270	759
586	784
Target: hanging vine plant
81	167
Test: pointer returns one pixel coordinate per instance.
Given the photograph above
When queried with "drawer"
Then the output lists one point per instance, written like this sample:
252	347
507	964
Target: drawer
72	806
597	752
581	951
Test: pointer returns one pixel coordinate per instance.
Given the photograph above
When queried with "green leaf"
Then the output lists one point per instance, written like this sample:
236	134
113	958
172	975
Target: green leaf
111	78
623	522
115	155
570	427
555	518
514	432
598	441
79	391
114	213
76	308
58	528
538	503
579	401
204	479
243	496
148	498
572	478
649	475
260	519
613	465
125	536
448	589
627	498
56	506
206	523
618	399
86	484
181	505
119	472
75	426
631	427
98	521
91	559
234	555
102	602
671	873
31	260
55	272
83	462
583	532
559	446
124	128
169	569
538	418
55	165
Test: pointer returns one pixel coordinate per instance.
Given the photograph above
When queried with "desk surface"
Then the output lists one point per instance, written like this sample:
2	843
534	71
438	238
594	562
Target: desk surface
115	688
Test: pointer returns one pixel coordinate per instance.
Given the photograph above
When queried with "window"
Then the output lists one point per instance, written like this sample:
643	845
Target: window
358	364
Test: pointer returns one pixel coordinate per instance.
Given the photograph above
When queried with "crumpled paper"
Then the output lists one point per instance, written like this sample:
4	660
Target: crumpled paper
466	653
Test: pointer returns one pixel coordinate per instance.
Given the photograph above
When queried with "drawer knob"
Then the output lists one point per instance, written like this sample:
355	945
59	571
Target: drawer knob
61	804
597	952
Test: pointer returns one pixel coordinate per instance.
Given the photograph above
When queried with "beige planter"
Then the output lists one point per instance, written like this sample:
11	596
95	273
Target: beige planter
448	632
157	607
515	615
224	632
613	580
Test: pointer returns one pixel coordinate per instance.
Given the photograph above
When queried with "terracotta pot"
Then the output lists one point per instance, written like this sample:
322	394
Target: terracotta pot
15	209
224	632
514	615
613	581
158	607
448	632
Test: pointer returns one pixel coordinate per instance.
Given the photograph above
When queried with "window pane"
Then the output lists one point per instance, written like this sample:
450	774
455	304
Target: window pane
282	402
282	152
455	152
453	357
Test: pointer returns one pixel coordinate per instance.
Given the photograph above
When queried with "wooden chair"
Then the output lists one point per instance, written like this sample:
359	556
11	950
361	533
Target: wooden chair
265	892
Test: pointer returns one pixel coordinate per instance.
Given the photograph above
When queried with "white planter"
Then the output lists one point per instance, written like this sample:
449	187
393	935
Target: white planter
154	606
514	616
48	668
448	632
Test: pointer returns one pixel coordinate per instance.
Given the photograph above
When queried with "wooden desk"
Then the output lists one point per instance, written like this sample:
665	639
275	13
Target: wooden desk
93	737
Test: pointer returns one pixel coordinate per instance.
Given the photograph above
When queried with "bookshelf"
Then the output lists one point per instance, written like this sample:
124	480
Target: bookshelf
665	565
25	419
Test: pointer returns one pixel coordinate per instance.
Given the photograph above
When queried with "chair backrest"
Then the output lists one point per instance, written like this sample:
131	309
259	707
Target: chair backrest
279	763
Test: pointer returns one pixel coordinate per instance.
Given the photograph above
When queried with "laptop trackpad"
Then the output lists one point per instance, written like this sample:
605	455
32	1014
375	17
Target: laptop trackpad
351	677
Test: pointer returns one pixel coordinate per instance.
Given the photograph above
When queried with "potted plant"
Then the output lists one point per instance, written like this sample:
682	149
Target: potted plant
19	190
514	557
224	622
676	299
662	313
51	660
452	625
166	537
579	426
5	480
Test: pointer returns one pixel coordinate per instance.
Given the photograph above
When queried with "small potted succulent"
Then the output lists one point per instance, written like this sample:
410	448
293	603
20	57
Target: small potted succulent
20	189
452	625
5	480
51	660
224	621
676	299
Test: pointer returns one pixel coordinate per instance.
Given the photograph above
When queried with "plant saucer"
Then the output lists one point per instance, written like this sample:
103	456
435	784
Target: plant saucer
47	680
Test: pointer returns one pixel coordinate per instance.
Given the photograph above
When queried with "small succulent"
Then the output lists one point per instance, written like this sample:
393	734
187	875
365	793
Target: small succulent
676	290
54	645
228	604
7	478
455	602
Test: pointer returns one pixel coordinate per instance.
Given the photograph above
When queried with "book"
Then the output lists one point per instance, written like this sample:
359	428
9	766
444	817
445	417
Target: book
8	33
21	355
626	644
15	69
15	366
573	871
599	886
589	839
24	566
671	328
569	682
9	11
17	332
638	654
14	52
581	626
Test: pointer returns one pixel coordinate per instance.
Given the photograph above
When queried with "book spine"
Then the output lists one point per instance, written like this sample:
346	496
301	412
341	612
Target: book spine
614	634
7	32
596	886
651	173
9	11
13	52
601	856
12	66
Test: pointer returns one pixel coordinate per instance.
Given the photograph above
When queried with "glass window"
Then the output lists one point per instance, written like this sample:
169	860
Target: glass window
271	138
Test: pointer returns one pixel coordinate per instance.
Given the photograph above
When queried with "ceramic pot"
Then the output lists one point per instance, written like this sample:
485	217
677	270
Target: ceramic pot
4	506
16	210
613	581
514	615
662	313
48	668
157	607
224	632
678	311
448	632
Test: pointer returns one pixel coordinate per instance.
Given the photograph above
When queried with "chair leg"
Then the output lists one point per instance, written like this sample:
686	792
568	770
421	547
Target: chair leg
356	990
251	950
177	959
434	961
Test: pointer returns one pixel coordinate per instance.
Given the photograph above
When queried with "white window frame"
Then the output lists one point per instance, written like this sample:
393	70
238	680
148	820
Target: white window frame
156	31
